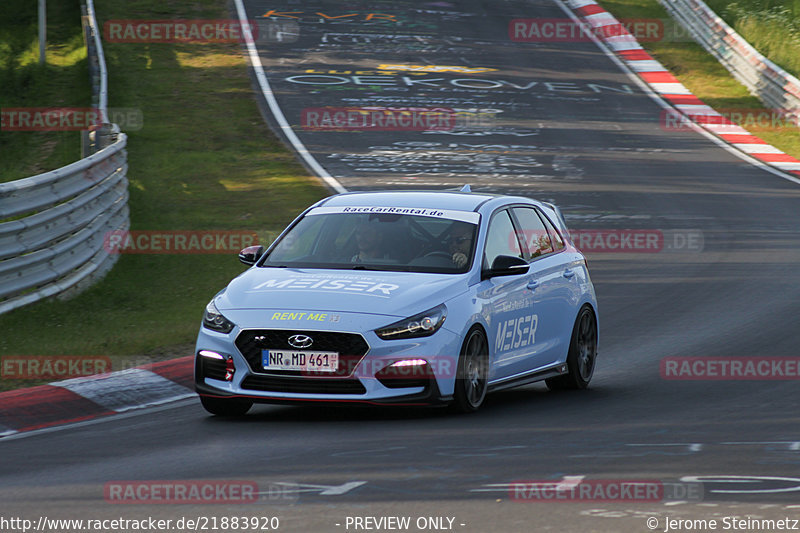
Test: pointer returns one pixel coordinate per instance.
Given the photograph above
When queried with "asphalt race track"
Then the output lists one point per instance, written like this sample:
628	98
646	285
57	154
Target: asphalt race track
557	121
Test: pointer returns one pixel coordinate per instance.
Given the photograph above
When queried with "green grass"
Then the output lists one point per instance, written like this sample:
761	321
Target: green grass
62	82
704	75
204	160
771	26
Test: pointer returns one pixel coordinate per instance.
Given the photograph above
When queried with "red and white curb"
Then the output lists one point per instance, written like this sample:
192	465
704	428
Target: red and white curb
671	90
85	398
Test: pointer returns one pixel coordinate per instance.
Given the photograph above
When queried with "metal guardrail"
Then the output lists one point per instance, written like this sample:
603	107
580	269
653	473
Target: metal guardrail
53	225
775	87
53	243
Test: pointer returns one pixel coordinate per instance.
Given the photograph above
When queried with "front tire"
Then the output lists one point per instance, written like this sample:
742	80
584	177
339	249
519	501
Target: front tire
582	354
473	373
226	406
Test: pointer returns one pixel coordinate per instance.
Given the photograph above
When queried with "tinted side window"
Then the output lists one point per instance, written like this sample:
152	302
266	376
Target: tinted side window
501	238
536	235
558	241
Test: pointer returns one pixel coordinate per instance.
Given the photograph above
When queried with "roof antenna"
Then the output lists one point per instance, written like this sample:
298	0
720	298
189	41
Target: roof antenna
465	188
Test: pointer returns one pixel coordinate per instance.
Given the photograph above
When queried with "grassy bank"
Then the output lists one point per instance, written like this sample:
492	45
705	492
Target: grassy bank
203	160
705	77
771	26
62	82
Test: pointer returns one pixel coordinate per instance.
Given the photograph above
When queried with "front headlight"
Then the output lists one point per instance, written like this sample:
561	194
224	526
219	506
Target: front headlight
213	319
420	325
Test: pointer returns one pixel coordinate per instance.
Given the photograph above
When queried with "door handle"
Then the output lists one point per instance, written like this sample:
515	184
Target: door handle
569	273
532	285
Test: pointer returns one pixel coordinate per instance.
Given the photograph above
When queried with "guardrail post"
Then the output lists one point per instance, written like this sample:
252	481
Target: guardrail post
105	135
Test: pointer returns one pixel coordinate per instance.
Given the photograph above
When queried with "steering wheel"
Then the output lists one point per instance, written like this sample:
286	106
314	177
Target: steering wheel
438	253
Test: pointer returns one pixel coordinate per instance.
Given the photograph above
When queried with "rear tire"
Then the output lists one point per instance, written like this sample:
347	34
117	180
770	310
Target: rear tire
473	373
582	354
226	406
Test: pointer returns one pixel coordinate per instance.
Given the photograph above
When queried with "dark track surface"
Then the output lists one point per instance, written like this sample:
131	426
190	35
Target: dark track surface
586	137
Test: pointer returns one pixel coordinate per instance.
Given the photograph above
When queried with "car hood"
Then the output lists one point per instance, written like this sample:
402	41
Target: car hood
398	294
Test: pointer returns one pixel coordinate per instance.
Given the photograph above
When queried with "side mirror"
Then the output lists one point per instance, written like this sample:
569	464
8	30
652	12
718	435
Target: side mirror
250	255
506	265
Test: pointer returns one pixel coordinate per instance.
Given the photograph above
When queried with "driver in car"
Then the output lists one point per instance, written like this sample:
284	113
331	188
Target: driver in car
460	244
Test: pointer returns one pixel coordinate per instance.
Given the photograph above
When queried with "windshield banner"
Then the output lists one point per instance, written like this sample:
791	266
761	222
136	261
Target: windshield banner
451	214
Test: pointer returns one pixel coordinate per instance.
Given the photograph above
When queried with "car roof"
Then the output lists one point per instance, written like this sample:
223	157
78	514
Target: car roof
427	199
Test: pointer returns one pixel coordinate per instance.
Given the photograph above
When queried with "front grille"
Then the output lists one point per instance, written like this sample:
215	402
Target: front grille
303	385
351	348
212	368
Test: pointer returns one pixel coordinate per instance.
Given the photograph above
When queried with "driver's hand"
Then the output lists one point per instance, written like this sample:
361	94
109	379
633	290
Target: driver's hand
459	259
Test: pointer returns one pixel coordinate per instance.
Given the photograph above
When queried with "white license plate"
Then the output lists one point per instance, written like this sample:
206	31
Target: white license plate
307	361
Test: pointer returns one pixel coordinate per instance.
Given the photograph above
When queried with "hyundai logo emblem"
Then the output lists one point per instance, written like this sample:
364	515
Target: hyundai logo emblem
301	341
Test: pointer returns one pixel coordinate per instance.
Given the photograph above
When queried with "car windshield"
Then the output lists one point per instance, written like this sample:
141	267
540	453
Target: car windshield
377	241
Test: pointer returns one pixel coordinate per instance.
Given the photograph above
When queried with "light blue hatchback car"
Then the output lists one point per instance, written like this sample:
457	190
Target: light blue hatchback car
420	297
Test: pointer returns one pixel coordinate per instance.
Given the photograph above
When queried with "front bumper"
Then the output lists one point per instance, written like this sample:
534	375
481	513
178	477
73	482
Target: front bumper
368	379
429	396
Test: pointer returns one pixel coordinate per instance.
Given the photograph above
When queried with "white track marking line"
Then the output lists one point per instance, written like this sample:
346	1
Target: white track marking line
266	90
